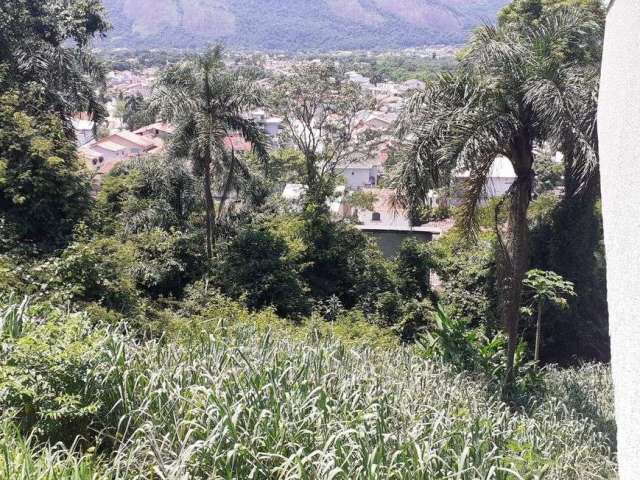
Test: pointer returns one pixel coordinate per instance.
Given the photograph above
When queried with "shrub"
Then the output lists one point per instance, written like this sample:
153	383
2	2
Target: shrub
49	381
468	274
413	265
44	190
94	270
164	263
257	266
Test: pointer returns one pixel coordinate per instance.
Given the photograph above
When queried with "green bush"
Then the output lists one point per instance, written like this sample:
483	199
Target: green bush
44	189
50	374
257	266
165	263
92	270
413	265
468	274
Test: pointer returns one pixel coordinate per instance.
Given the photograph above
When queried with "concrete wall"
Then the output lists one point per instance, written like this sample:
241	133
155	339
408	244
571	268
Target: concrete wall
389	242
619	124
358	177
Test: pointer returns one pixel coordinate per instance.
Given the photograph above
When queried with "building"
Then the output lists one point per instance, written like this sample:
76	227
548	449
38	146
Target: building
293	194
102	155
388	224
156	130
361	174
499	181
83	128
270	124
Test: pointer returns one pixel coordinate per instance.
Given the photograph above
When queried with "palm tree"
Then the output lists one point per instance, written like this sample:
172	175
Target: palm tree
45	49
494	105
207	104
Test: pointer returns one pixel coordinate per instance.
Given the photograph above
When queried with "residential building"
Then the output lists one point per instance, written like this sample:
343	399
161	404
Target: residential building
499	181
156	130
389	225
83	128
361	173
101	156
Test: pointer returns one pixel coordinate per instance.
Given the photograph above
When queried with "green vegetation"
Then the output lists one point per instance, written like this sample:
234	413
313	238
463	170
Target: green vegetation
236	401
176	318
518	86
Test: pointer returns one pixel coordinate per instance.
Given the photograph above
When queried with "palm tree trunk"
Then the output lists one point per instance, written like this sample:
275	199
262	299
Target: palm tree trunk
538	333
209	207
516	257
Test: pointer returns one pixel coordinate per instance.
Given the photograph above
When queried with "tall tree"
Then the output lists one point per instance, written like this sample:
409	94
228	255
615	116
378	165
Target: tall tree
568	100
46	75
208	104
320	110
491	107
44	48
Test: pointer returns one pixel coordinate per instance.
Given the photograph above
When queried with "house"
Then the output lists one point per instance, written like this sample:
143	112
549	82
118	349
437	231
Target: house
374	120
293	194
359	79
101	156
361	173
389	225
499	181
83	127
156	130
270	124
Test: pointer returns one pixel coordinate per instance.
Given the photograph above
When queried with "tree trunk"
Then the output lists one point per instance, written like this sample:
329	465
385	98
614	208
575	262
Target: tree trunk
209	206
516	259
538	333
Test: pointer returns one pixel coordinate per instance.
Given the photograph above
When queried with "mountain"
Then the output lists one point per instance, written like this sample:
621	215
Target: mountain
295	24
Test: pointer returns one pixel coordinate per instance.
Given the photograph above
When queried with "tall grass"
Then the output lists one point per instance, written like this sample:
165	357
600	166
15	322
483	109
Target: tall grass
248	405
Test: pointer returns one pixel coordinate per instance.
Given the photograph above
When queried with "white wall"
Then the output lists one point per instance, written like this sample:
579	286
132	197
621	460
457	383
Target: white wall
619	124
498	186
358	177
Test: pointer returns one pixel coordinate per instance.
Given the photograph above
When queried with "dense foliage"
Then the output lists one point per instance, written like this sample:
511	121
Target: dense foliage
185	321
44	190
235	401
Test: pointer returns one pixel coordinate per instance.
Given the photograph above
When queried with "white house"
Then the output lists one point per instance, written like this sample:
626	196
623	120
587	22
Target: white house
103	155
500	178
361	173
83	129
293	194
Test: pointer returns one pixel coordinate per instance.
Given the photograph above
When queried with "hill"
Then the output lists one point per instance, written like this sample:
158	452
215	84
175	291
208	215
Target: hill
295	24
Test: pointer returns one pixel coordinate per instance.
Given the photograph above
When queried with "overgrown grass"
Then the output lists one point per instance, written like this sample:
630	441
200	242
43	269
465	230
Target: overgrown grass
245	403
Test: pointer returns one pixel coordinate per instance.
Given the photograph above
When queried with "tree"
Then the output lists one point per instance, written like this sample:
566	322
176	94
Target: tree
147	193
494	105
44	51
207	104
258	265
319	109
43	188
136	113
546	288
413	266
568	101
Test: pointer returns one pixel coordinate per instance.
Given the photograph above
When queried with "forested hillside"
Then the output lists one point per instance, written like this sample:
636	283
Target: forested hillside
295	24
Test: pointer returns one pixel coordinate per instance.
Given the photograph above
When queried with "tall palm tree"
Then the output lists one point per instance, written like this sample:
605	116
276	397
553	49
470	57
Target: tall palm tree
207	104
494	105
